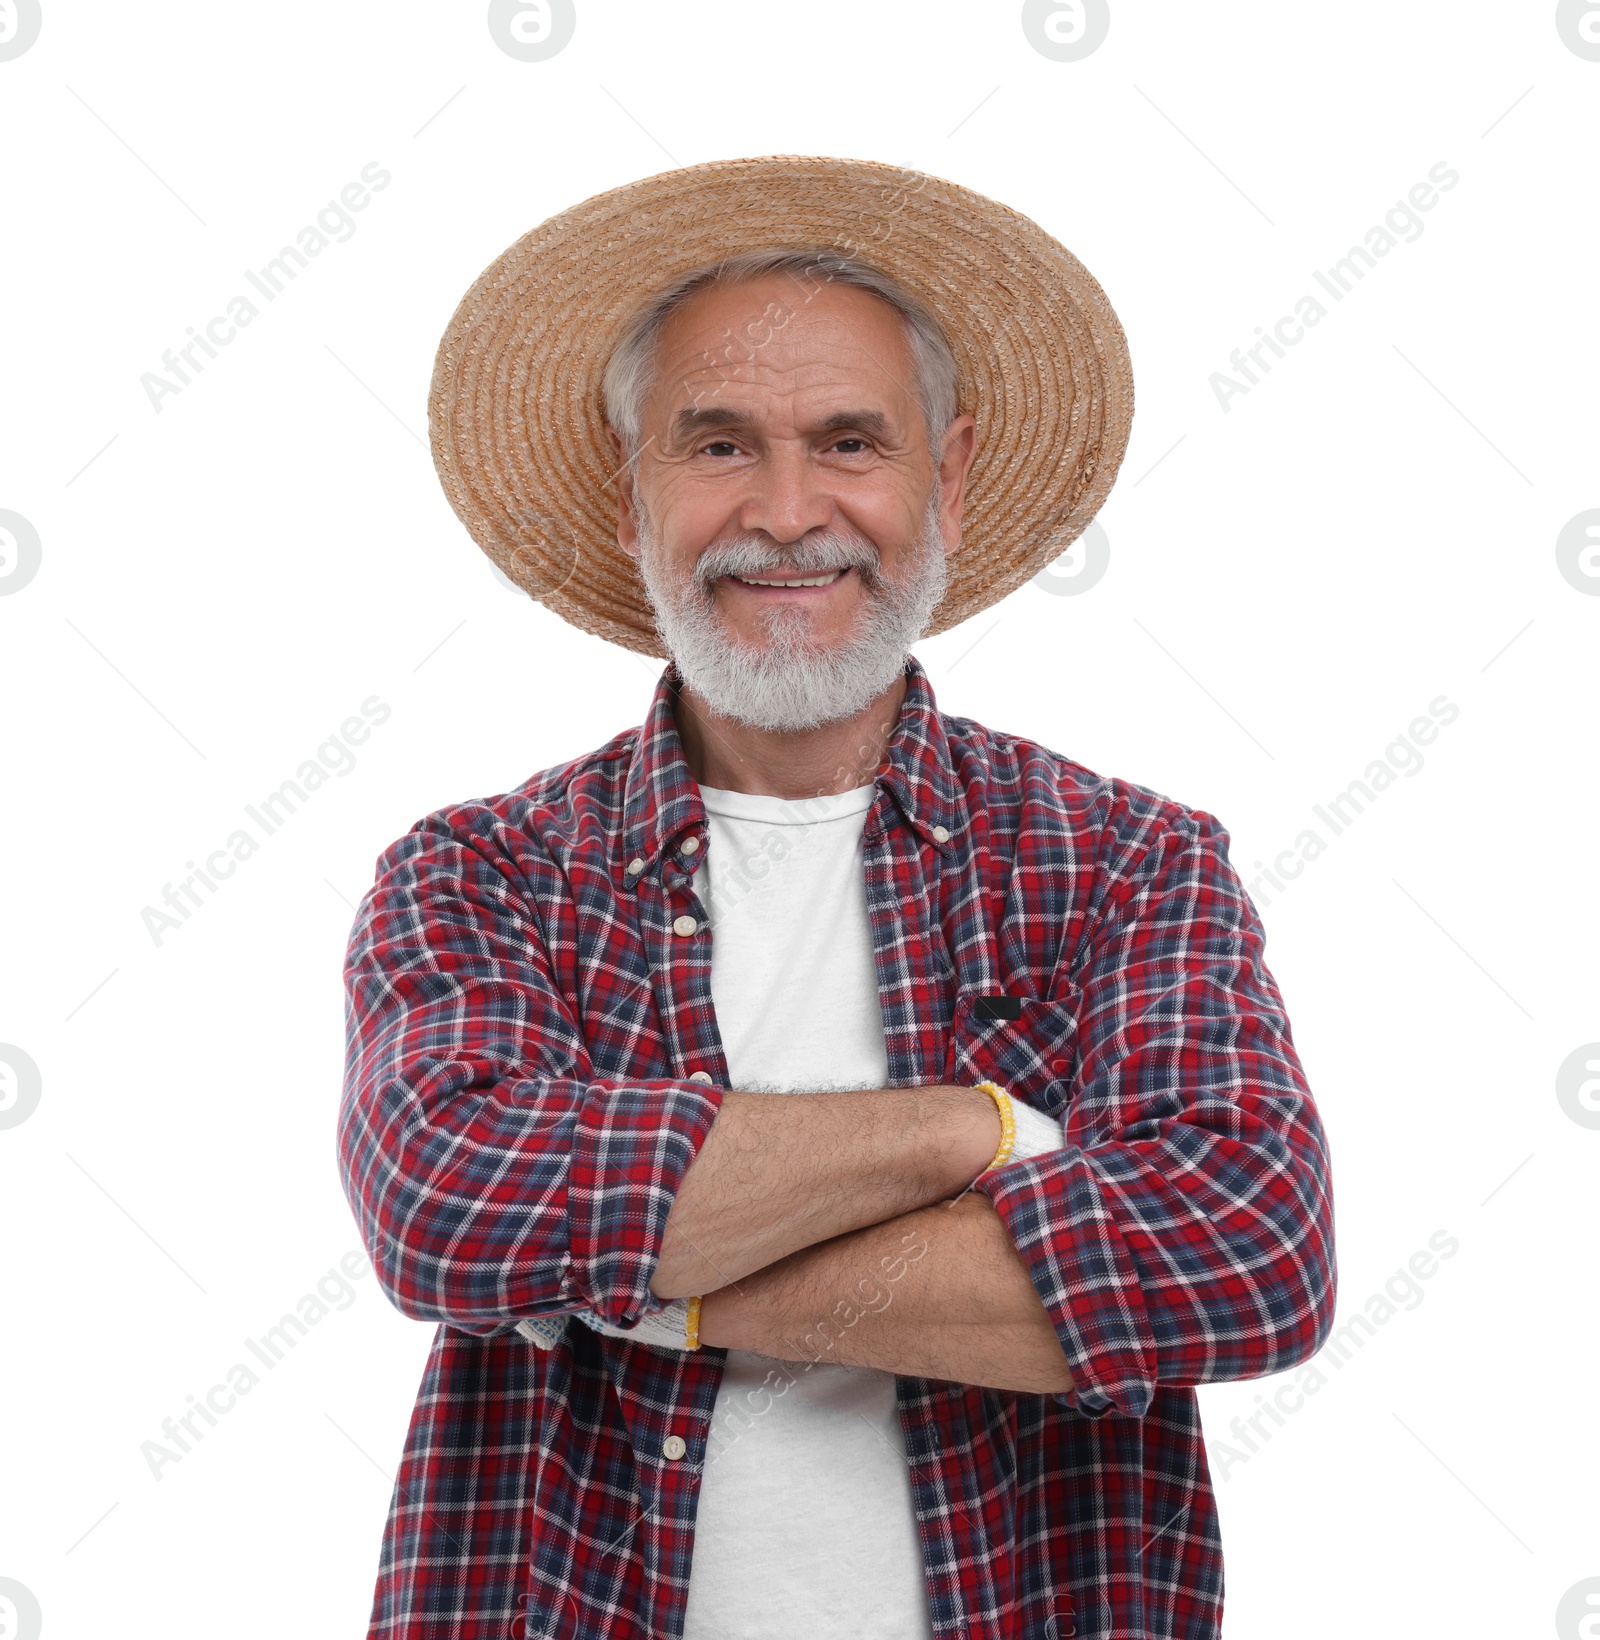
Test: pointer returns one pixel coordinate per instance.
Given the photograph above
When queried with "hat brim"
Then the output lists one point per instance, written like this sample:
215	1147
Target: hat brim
516	415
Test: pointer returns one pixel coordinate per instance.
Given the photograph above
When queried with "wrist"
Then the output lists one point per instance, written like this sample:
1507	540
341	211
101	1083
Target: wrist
969	1129
733	1317
716	1317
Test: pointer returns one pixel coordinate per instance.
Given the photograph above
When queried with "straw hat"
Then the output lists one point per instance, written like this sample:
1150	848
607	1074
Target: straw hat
517	419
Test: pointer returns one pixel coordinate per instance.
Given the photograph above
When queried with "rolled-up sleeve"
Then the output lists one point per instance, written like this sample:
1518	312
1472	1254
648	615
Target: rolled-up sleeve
493	1178
1184	1233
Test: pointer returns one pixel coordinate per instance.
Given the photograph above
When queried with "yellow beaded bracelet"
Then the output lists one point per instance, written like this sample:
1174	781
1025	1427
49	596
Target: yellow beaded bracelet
691	1326
1008	1123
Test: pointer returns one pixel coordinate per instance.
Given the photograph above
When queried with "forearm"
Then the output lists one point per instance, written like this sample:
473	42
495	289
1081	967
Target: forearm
781	1172
936	1293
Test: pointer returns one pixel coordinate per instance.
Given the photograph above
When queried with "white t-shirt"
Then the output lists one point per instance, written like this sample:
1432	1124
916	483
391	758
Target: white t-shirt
806	1524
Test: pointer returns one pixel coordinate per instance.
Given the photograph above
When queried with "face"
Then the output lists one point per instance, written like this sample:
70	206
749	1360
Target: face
797	454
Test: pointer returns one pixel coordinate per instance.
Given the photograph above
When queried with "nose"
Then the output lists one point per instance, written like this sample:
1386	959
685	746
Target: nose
786	499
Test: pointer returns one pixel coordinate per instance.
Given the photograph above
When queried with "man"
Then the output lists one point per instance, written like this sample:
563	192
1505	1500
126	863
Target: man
914	1353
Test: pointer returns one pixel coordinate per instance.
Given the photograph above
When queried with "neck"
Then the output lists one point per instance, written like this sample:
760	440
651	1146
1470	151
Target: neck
821	762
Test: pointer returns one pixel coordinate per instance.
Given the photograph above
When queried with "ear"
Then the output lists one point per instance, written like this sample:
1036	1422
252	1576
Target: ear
627	530
956	451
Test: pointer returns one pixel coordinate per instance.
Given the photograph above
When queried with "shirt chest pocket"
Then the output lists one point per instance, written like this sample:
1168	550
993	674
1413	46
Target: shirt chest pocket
1026	1044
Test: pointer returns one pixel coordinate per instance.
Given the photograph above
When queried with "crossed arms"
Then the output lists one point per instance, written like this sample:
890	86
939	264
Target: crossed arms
1182	1234
810	1226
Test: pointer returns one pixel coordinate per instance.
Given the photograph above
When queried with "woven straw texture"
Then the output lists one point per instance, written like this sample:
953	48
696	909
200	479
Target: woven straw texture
516	416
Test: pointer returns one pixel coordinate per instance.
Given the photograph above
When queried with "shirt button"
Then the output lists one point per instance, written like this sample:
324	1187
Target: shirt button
673	1447
699	1076
684	925
635	866
941	834
690	845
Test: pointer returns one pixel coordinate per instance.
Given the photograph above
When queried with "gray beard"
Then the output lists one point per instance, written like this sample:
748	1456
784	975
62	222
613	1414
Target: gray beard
793	682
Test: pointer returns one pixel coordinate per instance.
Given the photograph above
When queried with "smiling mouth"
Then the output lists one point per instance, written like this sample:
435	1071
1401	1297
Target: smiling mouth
791	583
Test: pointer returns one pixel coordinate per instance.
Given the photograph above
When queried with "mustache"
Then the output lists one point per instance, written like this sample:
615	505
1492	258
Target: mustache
810	555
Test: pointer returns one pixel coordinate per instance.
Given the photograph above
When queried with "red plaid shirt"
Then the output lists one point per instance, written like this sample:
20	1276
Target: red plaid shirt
533	1062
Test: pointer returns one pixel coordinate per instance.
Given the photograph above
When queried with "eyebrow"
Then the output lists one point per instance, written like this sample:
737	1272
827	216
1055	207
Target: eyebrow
703	418
695	419
868	421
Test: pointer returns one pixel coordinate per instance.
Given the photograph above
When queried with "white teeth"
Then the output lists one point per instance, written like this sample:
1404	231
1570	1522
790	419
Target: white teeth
814	581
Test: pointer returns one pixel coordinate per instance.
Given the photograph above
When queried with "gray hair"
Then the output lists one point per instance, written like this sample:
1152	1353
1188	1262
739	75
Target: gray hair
630	371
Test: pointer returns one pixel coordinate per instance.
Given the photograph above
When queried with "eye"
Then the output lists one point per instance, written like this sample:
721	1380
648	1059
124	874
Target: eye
720	447
850	445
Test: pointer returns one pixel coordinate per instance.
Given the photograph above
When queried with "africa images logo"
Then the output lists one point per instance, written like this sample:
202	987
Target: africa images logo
1577	552
20	550
20	1088
532	30
20	21
1578	24
1402	225
20	1617
335	757
334	225
1066	31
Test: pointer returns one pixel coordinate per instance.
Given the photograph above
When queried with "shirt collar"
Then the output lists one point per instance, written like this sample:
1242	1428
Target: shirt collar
661	801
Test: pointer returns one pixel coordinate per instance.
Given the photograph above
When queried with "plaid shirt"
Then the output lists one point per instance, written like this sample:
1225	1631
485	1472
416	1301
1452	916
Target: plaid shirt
533	1062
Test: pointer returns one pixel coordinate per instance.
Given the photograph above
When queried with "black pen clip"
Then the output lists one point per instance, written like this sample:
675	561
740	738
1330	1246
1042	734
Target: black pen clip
999	1006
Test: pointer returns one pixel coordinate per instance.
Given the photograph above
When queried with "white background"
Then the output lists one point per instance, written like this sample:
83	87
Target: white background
1290	582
